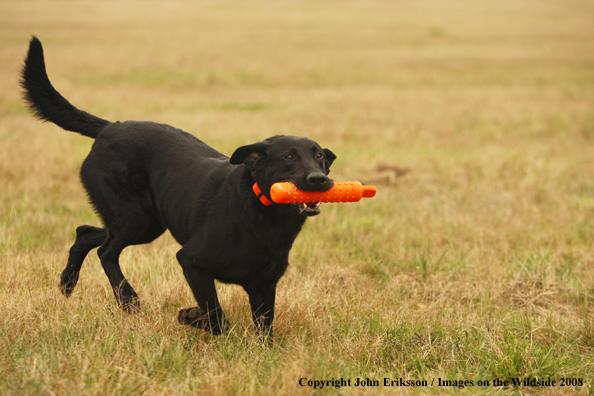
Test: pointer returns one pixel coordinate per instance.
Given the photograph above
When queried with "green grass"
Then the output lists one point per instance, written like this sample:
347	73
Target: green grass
473	262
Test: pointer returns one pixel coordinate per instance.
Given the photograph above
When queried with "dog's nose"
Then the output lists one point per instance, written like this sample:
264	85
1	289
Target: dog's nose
317	179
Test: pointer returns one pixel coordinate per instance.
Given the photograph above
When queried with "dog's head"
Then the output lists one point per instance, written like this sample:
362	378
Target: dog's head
288	158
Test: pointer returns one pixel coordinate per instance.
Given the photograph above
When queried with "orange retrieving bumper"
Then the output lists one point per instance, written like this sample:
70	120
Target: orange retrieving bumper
343	191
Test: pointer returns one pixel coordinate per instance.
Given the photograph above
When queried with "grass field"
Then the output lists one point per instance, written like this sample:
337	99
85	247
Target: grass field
475	260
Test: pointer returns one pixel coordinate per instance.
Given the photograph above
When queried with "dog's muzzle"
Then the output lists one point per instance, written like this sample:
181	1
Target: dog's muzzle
309	209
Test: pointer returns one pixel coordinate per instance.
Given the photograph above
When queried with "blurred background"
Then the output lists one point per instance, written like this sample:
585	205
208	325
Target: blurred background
483	111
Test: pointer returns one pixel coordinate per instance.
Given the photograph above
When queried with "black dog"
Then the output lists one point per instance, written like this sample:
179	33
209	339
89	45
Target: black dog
143	178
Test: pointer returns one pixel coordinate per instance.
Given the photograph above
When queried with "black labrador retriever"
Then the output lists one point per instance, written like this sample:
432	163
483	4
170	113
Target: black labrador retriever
144	178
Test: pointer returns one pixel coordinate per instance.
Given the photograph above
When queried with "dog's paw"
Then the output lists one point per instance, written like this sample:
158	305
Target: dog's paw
68	282
130	304
199	319
127	298
66	289
192	317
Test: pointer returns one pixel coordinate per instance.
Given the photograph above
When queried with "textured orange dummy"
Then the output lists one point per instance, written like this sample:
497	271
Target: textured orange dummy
344	191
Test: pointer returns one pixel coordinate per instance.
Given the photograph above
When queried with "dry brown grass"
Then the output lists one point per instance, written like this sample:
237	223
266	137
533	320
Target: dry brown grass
474	261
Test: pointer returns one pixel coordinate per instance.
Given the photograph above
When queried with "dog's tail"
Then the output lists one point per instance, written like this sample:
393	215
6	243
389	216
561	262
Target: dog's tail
47	104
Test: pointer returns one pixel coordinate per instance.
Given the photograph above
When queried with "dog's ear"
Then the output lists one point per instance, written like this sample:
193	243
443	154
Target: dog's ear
330	157
249	154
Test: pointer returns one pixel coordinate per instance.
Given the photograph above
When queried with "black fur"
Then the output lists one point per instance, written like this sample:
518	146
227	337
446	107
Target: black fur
53	107
144	178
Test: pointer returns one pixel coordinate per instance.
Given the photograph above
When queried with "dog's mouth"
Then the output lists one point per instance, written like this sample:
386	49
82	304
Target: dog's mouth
308	209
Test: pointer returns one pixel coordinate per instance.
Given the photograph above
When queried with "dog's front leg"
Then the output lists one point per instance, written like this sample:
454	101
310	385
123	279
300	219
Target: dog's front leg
209	315
262	297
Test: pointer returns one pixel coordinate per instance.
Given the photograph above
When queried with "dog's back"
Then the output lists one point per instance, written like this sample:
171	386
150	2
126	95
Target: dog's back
159	171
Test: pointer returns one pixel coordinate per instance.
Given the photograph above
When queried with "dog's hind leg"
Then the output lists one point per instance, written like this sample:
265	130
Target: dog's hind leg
138	229
87	238
109	253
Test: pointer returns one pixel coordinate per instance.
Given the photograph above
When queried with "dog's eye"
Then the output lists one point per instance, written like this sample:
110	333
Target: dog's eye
289	156
319	156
